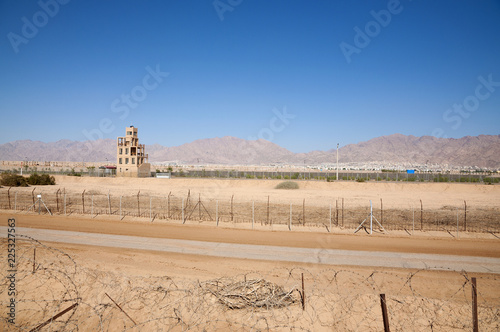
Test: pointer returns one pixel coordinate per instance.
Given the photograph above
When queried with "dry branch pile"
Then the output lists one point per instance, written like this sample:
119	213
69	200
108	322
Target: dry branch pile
257	293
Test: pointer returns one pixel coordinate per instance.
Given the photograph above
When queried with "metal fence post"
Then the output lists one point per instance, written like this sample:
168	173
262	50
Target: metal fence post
253	213
182	208
475	323
385	316
330	217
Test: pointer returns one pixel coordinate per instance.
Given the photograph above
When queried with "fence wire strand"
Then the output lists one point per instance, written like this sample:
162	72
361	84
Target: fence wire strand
193	207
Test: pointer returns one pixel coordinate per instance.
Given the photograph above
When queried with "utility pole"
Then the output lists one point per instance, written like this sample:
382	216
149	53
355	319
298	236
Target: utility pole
337	161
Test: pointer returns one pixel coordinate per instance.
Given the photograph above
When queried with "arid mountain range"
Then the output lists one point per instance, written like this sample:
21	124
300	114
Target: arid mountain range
480	151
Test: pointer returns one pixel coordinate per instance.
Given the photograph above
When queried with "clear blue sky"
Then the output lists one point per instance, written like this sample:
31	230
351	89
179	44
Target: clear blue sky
67	70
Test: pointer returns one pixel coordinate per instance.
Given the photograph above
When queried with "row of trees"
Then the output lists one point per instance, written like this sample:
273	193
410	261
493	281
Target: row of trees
14	180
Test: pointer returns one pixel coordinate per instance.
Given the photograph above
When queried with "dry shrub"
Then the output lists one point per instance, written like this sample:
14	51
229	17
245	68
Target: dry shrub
287	185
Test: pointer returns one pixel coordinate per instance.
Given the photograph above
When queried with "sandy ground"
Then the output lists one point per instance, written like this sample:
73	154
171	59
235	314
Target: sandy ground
433	299
151	286
321	193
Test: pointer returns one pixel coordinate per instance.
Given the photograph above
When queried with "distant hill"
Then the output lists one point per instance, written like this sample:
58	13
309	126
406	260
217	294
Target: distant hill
480	151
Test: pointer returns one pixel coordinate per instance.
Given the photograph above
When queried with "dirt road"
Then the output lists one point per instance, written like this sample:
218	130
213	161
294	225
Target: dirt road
296	238
273	253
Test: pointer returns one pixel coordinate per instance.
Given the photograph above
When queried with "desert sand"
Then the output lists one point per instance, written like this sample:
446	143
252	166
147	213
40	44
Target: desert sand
171	291
433	195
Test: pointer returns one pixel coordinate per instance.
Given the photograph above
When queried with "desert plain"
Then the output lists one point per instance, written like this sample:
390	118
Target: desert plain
162	290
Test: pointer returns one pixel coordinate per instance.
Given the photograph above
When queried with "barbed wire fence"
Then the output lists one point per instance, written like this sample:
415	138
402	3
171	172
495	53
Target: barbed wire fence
49	282
190	207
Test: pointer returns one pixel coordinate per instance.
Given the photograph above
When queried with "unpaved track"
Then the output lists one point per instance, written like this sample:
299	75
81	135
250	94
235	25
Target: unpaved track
298	239
273	253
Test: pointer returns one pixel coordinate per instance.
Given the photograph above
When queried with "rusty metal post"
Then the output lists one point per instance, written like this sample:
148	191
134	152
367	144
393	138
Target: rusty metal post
421	216
342	211
121	309
465	216
385	317
267	222
168	205
57	199
199	206
34	258
48	321
303	294
475	323
232	215
304	212
109	202
381	211
83	201
138	204
337	212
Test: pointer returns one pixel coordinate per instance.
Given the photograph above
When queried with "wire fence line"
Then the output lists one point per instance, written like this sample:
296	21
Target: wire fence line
339	299
341	213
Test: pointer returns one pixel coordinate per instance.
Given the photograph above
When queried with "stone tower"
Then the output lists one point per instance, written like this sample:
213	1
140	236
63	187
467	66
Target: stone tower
131	159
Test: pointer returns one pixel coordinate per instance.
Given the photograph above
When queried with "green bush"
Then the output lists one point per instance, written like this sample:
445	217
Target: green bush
40	180
287	185
360	180
491	180
73	173
13	180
